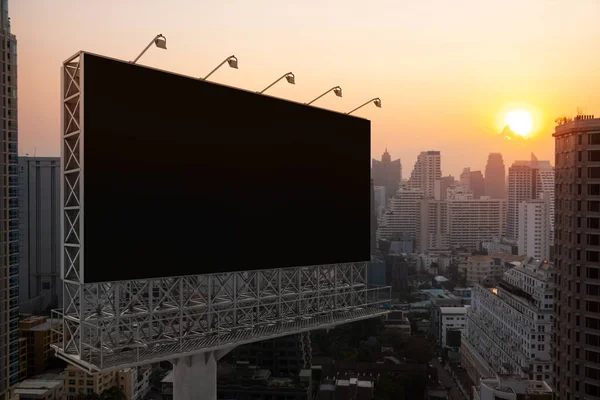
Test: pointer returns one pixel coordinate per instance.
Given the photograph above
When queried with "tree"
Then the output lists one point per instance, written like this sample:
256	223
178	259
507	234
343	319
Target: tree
343	342
394	338
388	389
113	393
563	120
419	349
453	273
91	396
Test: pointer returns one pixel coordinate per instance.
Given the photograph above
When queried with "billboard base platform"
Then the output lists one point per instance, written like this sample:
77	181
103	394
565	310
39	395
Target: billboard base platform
196	375
115	325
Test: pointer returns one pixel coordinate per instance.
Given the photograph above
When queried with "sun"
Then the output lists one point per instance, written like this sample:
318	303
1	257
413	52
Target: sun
519	121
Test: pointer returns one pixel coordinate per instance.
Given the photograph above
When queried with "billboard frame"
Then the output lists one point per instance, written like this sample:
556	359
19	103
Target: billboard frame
113	325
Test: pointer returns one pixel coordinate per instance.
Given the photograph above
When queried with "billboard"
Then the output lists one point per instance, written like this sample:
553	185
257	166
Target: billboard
182	177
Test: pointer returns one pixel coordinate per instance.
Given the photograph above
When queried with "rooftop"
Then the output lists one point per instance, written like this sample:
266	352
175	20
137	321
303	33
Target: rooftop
508	257
515	384
480	258
37	387
454	310
36	323
168	378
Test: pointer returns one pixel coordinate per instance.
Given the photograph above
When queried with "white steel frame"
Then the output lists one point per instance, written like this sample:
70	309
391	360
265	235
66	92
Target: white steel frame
114	325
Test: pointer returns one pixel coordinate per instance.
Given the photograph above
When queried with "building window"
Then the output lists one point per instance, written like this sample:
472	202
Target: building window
592	390
593	155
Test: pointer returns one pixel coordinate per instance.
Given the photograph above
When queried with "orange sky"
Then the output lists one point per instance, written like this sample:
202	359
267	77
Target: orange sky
445	70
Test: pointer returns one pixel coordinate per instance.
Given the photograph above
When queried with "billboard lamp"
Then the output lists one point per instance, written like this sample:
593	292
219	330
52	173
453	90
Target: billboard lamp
231	60
376	101
288	77
336	89
160	41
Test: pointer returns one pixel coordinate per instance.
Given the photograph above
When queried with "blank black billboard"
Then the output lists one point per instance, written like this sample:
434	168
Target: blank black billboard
183	177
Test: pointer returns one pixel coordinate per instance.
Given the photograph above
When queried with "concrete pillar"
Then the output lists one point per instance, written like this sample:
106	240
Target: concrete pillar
195	376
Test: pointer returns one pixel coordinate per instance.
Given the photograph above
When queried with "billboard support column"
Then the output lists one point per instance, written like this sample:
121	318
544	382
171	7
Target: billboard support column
197	374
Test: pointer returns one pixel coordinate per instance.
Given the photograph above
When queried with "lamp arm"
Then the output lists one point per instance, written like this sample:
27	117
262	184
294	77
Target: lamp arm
145	50
282	76
361	106
321	96
218	66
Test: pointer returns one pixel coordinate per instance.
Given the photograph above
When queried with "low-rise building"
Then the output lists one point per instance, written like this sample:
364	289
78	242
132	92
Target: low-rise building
346	388
78	382
509	326
37	332
500	245
438	299
506	260
246	381
387	367
397	320
133	382
478	269
452	325
511	388
488	269
40	389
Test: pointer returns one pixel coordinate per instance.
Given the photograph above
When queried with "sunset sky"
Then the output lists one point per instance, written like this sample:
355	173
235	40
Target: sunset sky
446	71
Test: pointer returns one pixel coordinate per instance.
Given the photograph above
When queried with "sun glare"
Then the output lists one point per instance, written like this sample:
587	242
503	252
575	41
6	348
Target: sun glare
519	121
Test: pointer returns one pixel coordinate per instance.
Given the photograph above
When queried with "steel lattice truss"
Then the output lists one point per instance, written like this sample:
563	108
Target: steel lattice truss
114	325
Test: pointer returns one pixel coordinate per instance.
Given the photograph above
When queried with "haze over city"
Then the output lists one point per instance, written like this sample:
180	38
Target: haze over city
447	72
328	200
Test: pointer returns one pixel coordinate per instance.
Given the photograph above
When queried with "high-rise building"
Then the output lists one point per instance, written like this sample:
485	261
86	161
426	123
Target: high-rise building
373	220
476	220
528	180
9	229
576	344
534	237
458	221
387	173
521	187
402	217
477	184
509	326
40	287
380	200
495	177
427	169
546	189
458	192
465	179
441	185
433	226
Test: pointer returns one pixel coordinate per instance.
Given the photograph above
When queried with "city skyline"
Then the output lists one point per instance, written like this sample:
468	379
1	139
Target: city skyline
219	240
439	94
